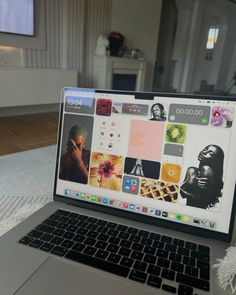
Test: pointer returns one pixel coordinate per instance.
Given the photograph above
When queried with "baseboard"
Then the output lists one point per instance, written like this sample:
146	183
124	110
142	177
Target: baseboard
28	110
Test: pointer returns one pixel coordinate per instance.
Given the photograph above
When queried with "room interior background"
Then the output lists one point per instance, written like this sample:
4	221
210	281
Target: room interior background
174	36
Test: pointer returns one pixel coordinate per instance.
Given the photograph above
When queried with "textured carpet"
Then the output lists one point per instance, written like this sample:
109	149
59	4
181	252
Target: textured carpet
26	181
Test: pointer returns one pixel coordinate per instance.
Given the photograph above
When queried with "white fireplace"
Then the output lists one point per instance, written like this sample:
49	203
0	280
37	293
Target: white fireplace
118	73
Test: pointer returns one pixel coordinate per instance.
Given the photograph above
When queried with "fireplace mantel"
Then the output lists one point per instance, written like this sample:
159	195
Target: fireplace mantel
106	68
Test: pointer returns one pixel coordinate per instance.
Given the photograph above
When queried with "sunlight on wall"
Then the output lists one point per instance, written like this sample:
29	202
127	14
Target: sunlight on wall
10	56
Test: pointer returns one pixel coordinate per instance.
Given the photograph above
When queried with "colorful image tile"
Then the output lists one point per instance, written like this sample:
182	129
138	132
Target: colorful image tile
106	171
159	190
175	133
103	107
170	172
222	117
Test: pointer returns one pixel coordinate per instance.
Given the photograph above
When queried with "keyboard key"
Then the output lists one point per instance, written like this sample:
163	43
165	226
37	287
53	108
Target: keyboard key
192	282
123	235
102	254
200	255
67	244
79	238
125	243
190	245
83	217
51	222
162	253
170	248
90	241
57	241
204	268
169	288
47	247
113	232
113	248
46	237
58	232
177	266
68	235
175	257
101	222
163	262
149	250
64	219
36	243
178	242
149	259
60	251
101	245
127	261
45	228
103	237
132	230
62	212
138	276
137	247
168	274
139	265
185	290
90	250
73	215
189	260
82	231
143	233
26	240
154	281
154	236
204	249
92	234
137	255
183	251
154	270
192	271
92	220
122	227
146	241
166	239
115	258
78	247
35	234
112	225
114	240
134	238
158	245
124	251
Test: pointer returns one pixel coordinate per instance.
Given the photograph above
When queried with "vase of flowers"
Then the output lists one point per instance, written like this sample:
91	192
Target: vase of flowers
116	43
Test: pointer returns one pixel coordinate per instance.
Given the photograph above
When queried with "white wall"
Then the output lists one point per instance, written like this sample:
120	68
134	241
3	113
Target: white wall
138	21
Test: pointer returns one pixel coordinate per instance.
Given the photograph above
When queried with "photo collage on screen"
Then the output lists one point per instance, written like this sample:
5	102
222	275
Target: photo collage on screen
165	152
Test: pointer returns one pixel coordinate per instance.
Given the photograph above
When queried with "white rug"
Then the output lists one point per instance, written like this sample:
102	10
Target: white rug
26	184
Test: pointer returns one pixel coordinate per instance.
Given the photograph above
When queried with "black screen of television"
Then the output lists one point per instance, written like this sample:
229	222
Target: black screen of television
17	17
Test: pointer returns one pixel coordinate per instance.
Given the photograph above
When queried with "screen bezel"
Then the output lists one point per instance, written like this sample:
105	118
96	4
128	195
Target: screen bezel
226	237
24	35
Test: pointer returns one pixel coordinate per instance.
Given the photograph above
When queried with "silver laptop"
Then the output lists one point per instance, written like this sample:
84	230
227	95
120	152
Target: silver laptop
143	199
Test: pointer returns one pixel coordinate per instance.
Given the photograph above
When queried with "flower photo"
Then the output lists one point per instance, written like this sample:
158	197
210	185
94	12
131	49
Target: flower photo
106	171
222	117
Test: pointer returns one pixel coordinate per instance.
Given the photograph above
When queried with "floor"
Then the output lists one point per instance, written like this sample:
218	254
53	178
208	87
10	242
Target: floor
23	133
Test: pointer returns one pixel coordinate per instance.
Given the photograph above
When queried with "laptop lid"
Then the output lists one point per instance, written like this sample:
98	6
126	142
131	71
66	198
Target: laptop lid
164	159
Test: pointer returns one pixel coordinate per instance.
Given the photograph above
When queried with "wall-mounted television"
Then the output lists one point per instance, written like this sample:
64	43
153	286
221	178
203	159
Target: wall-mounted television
17	17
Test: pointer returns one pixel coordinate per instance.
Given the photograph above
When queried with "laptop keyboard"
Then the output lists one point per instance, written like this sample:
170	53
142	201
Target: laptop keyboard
143	256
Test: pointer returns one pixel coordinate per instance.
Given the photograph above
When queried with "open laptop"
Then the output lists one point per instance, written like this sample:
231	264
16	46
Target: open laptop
144	199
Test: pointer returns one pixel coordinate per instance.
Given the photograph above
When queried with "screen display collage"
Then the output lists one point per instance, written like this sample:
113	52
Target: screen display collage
153	152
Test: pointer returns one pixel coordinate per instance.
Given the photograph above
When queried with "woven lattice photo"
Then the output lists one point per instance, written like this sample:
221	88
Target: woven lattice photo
159	190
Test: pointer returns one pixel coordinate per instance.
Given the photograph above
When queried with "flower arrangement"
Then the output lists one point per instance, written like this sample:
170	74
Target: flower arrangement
116	42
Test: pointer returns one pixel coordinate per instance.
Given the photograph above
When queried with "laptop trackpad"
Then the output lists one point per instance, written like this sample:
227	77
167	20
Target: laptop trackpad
60	277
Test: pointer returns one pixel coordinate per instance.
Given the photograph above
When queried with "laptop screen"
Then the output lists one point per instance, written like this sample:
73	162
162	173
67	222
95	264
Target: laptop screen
168	158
